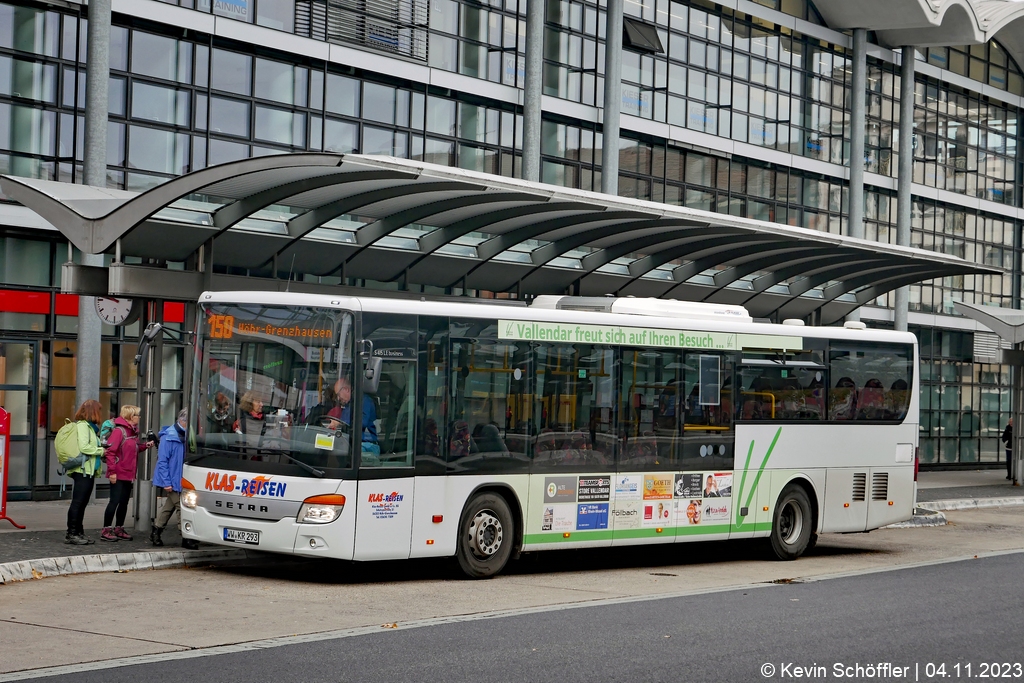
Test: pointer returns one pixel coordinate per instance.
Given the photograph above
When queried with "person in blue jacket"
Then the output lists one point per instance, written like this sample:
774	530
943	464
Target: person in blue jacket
170	460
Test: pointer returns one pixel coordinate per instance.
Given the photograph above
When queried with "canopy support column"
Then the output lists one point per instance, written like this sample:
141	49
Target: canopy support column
533	90
612	99
904	200
857	125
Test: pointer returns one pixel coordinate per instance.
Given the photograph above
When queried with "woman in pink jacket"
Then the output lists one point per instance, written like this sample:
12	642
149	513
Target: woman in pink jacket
121	455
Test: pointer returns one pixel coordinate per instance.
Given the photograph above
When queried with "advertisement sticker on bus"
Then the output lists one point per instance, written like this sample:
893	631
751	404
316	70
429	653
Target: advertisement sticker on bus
692	513
658	486
626	515
561	517
689	485
592	516
627	487
560	489
718	485
594	489
657	514
716	511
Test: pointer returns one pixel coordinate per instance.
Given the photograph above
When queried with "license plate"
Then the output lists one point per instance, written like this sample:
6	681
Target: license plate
242	536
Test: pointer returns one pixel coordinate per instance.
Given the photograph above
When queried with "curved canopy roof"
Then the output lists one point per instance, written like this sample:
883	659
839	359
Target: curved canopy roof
394	220
924	23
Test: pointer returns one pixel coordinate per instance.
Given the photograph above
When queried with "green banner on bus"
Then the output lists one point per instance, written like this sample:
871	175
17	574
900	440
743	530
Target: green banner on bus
570	333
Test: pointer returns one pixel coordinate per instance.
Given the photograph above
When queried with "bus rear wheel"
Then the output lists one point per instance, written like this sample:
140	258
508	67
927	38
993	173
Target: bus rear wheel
792	523
486	536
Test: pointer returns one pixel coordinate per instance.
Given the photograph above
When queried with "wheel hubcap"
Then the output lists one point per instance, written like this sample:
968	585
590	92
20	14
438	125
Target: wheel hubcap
485	534
791	523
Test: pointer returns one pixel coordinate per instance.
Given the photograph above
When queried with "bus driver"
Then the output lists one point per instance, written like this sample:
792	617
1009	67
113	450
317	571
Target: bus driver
339	411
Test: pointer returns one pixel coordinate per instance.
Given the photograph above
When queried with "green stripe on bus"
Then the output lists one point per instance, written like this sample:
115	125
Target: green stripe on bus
605	535
667	532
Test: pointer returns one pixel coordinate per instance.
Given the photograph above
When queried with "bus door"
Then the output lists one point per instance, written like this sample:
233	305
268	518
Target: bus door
384	511
675	465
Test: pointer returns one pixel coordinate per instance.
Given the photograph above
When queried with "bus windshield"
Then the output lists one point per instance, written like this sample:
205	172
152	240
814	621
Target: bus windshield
273	389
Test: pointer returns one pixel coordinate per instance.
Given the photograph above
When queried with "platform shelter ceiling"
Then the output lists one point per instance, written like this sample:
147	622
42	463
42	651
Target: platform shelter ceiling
394	220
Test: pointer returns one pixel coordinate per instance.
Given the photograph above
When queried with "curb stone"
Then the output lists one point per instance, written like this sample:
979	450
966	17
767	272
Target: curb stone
973	503
27	570
922	517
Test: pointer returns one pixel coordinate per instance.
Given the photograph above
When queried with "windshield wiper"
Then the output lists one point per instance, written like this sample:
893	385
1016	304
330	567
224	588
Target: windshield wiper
309	468
306	466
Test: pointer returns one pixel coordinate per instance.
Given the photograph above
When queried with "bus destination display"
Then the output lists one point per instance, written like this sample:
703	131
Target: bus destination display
225	326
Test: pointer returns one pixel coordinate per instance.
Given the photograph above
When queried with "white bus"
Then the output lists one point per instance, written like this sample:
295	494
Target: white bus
377	428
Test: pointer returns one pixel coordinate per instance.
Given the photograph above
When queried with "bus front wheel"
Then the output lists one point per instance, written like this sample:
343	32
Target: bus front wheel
792	523
486	536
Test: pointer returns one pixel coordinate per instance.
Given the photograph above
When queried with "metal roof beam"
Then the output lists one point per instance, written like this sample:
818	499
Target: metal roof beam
307	222
671	238
368	234
709	248
824	275
562	246
438	238
228	215
764	282
499	243
776	255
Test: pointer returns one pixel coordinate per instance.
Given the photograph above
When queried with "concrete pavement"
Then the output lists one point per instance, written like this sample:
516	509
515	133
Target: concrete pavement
39	551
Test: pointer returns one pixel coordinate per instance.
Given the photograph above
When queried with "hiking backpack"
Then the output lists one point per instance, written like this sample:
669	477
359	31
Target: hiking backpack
66	444
105	429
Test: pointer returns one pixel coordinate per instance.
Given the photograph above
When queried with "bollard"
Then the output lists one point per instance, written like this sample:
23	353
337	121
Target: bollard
146	494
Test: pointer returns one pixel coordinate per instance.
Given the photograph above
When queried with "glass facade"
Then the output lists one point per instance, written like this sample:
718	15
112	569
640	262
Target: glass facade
736	114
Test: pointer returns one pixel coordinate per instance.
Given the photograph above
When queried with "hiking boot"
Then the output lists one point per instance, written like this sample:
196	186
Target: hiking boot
75	539
189	544
122	534
108	534
154	536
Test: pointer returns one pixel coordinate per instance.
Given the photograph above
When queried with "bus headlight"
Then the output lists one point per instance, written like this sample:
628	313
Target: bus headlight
189	497
321	509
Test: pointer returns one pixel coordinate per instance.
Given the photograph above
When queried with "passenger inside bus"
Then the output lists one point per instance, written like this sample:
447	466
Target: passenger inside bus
488	439
871	404
250	423
221	420
842	404
461	443
759	400
896	400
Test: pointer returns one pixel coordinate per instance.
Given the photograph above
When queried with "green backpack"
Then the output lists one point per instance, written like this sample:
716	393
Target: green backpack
66	444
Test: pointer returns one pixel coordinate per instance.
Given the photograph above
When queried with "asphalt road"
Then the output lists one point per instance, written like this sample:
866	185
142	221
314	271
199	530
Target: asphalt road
967	612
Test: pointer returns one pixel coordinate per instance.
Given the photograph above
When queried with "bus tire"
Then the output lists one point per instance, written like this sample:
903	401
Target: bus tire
792	523
486	536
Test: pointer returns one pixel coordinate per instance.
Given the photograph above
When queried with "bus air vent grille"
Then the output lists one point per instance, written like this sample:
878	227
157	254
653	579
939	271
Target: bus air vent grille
880	486
860	486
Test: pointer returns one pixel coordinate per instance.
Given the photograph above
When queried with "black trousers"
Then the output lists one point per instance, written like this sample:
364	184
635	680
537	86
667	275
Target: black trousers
81	492
1009	462
120	493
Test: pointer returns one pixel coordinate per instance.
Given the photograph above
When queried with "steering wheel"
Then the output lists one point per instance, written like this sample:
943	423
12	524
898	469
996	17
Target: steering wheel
328	422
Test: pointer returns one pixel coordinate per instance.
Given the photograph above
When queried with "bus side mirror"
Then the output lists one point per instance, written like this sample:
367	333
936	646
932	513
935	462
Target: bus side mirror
371	374
151	332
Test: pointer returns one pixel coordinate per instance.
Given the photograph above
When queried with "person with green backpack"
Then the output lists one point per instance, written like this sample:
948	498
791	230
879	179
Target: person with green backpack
81	456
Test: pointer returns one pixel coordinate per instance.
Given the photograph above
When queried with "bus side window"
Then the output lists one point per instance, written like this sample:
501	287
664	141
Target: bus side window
489	406
864	371
574	407
432	399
